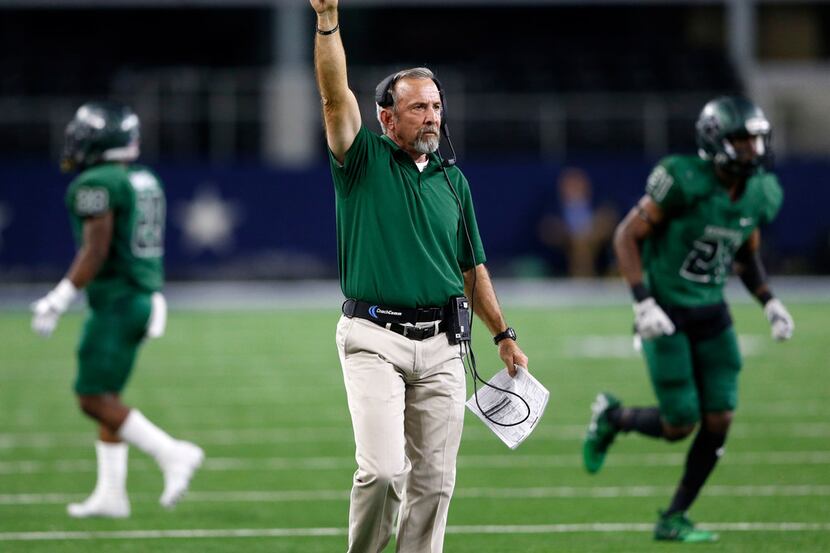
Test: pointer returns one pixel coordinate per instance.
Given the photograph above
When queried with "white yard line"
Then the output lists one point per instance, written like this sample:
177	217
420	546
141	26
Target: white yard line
168	534
620	346
297	496
481	529
229	464
342	434
325	294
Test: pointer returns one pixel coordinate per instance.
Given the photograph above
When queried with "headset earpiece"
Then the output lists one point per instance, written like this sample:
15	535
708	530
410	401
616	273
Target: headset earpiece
383	91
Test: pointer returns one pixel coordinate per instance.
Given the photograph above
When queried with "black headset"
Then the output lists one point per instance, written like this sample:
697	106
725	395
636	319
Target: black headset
384	98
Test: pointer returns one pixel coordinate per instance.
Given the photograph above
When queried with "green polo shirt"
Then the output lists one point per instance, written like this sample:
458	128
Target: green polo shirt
400	237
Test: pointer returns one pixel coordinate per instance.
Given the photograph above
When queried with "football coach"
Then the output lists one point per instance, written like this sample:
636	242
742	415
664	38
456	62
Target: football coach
410	256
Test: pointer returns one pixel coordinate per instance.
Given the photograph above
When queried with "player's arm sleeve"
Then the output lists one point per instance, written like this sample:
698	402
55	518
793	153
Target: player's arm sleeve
92	198
751	269
774	197
664	188
355	162
466	259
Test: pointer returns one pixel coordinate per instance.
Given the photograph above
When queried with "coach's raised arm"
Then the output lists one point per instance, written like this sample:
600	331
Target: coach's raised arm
340	109
411	267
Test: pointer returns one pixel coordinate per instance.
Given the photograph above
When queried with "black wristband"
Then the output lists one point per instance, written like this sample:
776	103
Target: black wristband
639	292
329	32
764	297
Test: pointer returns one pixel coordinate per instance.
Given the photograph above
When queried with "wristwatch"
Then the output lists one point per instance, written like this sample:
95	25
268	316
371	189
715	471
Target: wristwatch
508	333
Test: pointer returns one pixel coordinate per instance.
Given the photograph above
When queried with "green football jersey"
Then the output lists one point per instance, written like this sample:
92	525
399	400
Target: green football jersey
688	259
136	197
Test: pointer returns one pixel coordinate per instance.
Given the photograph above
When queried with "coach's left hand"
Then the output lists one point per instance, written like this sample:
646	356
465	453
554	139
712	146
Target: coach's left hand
512	355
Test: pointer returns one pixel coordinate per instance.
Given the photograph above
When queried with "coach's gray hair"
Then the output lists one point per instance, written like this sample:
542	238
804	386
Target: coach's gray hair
412	73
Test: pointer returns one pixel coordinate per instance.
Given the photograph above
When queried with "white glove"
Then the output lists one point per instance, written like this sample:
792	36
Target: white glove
780	319
48	309
158	316
637	343
650	320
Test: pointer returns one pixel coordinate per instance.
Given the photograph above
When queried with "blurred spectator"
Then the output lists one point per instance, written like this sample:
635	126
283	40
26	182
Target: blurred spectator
581	232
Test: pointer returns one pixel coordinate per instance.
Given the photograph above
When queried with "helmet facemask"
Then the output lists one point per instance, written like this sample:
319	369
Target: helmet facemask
738	165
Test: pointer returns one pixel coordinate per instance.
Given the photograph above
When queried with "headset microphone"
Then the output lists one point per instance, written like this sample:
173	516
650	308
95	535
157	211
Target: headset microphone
450	161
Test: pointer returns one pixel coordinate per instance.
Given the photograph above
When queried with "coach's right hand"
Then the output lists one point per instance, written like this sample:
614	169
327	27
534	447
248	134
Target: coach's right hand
322	6
650	320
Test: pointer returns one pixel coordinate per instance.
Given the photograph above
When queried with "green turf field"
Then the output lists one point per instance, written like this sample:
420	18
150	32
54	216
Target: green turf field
262	393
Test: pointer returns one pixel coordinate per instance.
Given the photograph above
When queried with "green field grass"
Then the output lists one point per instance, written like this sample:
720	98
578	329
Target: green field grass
262	393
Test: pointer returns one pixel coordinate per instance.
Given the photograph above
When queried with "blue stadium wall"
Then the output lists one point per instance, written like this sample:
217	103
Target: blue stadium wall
284	220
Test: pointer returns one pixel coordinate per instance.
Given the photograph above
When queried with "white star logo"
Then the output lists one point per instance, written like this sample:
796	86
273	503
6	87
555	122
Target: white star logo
208	221
5	221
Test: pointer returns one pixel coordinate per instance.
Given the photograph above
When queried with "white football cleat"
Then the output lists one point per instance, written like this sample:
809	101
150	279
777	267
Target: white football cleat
178	470
101	505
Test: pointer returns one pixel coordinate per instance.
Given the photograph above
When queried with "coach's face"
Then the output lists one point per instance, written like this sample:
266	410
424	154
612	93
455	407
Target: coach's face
414	124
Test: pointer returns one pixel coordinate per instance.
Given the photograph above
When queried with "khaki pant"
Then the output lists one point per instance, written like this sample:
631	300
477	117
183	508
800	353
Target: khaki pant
406	400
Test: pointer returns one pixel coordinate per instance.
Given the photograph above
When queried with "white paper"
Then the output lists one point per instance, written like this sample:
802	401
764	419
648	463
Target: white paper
507	408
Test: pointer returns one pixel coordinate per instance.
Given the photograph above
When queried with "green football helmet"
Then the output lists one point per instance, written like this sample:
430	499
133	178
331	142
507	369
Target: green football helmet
728	117
99	132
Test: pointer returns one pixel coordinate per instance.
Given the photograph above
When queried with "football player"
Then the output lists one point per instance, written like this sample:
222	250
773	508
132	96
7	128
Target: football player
699	217
117	213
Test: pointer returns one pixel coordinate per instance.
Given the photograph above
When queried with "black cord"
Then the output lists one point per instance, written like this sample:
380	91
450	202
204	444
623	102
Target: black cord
475	376
469	360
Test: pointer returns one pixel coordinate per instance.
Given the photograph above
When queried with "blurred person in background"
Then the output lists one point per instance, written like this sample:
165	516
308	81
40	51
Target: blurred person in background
409	248
578	229
675	249
117	211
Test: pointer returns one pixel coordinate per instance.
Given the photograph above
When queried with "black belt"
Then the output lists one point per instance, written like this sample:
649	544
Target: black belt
392	318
